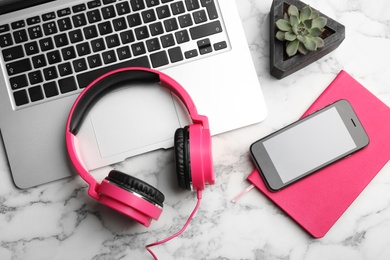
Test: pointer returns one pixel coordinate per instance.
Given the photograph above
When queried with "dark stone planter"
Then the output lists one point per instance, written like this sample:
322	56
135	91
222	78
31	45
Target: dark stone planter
280	64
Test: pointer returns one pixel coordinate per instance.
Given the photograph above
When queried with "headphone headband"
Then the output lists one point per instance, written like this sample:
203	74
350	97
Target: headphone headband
116	79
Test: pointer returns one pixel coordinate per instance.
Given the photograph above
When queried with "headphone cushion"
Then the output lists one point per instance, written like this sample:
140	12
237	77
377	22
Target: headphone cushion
182	158
136	185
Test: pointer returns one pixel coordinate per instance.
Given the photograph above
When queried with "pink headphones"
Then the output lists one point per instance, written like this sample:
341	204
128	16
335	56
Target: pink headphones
124	193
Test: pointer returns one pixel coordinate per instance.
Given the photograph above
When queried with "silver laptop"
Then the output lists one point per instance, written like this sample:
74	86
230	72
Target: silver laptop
51	49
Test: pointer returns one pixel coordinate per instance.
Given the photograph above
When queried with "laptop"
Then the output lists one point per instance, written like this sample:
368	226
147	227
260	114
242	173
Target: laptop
51	49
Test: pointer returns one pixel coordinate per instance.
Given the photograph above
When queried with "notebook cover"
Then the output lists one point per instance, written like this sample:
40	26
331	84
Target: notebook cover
318	201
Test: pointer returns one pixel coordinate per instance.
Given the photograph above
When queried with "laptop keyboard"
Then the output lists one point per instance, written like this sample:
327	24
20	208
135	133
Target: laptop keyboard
60	52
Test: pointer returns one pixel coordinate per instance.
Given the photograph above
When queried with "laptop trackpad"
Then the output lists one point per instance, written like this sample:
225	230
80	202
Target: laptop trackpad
133	118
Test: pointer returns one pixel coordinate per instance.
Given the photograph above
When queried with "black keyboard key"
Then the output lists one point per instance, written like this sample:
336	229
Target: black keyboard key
49	28
200	16
31	48
148	16
33	20
177	8
50	73
87	77
123	8
156	28
64	12
94	16
175	54
141	32
64	24
67	84
93	62
151	3
191	54
83	49
138	48
171	24
98	45
65	69
4	28
108	12
68	53
137	5
159	59
220	45
134	20
35	93
112	41
80	65
185	20
94	4
21	97
17	67
90	32
105	28
35	32
61	40
54	57
119	24
127	37
6	40
18	24
20	36
48	16
50	89
13	53
205	30
46	44
163	12
39	61
76	36
18	81
182	36
192	4
109	57
211	9
153	45
106	2
79	20
167	40
35	77
123	52
79	8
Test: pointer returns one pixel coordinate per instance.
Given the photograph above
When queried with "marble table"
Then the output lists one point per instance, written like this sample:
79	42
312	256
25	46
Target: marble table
59	221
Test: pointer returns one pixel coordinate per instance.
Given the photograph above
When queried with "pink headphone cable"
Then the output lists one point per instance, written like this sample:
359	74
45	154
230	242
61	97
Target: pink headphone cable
199	196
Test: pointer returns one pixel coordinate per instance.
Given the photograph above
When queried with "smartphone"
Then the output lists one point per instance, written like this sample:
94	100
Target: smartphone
308	145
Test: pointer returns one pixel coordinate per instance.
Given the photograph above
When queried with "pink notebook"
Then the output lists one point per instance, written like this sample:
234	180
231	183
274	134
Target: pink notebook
318	201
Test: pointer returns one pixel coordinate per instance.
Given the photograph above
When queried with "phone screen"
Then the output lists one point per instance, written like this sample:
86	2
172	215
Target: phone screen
308	145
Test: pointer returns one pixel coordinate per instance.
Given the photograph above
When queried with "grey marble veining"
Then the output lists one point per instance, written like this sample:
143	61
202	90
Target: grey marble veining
60	221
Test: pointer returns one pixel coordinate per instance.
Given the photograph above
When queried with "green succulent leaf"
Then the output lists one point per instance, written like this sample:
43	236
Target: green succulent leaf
293	10
308	23
302	49
295	29
292	48
301	38
280	36
294	20
283	25
314	14
305	13
315	32
319	41
310	44
319	22
290	36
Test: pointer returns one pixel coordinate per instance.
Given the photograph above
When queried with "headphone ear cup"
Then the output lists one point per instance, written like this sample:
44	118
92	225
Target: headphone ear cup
182	158
137	186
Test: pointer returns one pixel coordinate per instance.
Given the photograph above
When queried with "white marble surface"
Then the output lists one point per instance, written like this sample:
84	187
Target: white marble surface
59	220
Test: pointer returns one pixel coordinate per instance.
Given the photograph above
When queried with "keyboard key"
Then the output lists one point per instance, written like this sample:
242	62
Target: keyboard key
137	5
87	77
21	97
90	32
68	53
123	8
79	8
5	40
13	53
67	84
159	59
64	24
4	28
167	40
46	44
192	5
50	73
35	77
119	24
191	54
83	49
156	28
49	28
35	93
94	16
54	57
171	25
94	4
80	65
20	36
123	52
94	61
175	54
205	30
98	45
199	16
48	16
151	3
148	16
31	48
50	89
138	48
105	28
106	2
39	61
79	20
177	8
109	57
18	81
76	36
127	37
18	24
64	12
17	67
65	69
153	44
33	20
211	9
141	32
61	40
220	45
134	20
182	36
163	12
35	32
108	12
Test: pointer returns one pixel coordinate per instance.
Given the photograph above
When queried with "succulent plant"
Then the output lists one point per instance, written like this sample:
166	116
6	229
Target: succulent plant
301	30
